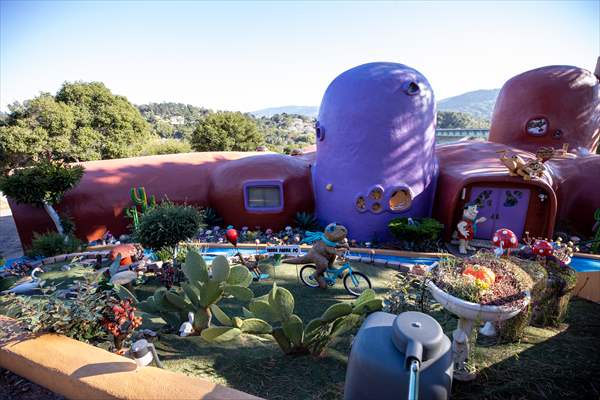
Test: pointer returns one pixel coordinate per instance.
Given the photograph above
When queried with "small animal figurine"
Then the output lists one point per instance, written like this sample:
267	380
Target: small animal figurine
467	227
187	328
326	247
517	166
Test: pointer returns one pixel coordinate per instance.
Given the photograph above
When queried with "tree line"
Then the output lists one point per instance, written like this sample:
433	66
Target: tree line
85	121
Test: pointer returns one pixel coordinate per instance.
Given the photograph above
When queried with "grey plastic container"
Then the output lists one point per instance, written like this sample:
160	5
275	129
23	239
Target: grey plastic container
383	349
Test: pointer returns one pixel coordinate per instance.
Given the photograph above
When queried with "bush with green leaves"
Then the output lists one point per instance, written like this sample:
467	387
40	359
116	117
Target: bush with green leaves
226	131
307	221
201	293
166	146
211	217
416	233
167	224
42	185
51	244
274	314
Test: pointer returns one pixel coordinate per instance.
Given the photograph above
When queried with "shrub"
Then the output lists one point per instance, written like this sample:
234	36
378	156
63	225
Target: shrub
168	224
166	146
307	221
420	229
211	217
52	244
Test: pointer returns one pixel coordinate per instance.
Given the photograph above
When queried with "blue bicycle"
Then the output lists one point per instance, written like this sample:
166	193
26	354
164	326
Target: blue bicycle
354	282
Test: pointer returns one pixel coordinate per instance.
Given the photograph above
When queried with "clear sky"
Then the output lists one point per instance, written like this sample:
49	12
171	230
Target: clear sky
250	55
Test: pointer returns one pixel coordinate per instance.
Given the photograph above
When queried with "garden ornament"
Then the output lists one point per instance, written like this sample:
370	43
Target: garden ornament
188	326
143	353
504	239
232	236
533	168
326	246
467	227
30	286
129	253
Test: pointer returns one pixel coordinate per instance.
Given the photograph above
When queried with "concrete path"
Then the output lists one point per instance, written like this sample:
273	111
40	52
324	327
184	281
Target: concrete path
10	244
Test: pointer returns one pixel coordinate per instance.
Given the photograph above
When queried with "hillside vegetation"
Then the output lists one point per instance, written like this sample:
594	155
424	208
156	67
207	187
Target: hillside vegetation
85	121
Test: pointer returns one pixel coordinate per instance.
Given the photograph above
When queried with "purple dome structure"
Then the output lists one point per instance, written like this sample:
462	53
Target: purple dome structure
375	149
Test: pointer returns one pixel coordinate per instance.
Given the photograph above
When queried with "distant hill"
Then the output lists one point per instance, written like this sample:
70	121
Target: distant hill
479	103
309	111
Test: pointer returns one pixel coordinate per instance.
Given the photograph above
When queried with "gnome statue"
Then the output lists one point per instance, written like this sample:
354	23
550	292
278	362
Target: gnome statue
467	227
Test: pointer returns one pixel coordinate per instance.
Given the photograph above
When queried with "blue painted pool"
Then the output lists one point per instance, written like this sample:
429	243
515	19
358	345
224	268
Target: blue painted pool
580	264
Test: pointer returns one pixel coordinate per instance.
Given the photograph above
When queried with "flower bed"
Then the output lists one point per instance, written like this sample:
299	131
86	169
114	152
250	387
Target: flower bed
483	279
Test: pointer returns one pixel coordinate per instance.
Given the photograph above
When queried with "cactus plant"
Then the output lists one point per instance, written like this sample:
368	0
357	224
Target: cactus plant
201	293
274	314
139	199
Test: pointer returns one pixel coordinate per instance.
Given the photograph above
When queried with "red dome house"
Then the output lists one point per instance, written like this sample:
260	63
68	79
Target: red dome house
556	107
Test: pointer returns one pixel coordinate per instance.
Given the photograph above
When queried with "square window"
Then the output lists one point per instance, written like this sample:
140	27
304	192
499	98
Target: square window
263	196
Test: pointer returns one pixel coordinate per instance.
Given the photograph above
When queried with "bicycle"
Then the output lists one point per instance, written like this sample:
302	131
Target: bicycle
354	282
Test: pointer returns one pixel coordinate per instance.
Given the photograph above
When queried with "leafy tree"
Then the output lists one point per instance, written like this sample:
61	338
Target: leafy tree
84	121
42	185
167	146
227	131
460	120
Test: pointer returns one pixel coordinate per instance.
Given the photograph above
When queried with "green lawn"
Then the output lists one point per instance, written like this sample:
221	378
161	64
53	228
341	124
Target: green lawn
547	364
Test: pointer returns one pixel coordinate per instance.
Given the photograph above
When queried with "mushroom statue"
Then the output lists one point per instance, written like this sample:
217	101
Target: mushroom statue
504	239
542	248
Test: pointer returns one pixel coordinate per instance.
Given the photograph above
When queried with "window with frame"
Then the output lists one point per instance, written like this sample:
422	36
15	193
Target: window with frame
263	196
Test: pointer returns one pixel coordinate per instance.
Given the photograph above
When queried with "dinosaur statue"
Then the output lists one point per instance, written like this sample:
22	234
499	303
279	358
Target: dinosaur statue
324	251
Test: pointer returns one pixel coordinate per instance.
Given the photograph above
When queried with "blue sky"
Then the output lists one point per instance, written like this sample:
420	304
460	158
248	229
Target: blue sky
250	55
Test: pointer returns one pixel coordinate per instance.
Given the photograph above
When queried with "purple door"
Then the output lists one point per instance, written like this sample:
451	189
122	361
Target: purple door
512	210
503	208
487	199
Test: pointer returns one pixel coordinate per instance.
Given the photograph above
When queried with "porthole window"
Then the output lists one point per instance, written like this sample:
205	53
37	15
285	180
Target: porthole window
537	126
376	207
361	203
411	88
557	134
376	193
319	131
400	200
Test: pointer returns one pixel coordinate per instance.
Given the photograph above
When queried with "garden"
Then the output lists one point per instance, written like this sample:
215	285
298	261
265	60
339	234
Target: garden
249	320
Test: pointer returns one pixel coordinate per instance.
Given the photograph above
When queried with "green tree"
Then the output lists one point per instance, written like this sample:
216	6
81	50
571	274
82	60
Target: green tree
84	121
460	120
42	185
226	131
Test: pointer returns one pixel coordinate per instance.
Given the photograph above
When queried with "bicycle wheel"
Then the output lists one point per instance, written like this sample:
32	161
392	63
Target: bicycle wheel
359	284
307	276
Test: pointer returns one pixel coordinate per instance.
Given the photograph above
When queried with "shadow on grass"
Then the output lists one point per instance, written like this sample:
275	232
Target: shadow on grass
561	363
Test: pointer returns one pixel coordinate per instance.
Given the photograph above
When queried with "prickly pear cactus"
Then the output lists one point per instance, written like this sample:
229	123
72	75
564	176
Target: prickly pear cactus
200	294
274	314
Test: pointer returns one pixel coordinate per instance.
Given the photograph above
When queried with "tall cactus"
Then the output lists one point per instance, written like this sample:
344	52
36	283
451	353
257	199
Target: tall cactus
201	293
274	314
596	244
140	200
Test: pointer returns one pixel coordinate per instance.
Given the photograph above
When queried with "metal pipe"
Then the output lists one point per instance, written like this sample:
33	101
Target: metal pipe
413	381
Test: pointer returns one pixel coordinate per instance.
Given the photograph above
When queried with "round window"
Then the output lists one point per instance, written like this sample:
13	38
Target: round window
537	126
411	88
376	193
361	203
319	131
376	207
400	200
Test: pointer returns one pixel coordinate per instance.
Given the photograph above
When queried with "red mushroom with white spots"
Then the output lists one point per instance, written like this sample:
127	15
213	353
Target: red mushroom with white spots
542	248
505	239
